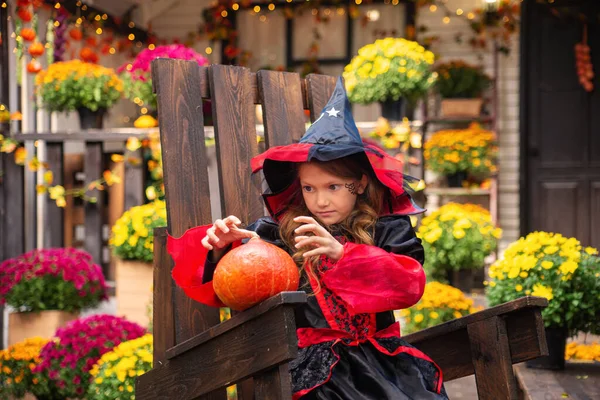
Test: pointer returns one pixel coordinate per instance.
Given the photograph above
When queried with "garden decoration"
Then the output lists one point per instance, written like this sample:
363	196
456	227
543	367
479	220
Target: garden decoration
393	72
457	237
47	288
89	89
460	153
16	367
461	86
66	361
558	268
137	77
440	303
132	242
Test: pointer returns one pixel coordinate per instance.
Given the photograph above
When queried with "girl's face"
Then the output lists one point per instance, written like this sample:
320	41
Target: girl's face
328	197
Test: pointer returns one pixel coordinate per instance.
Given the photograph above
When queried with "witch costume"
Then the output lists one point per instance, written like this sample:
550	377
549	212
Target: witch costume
349	343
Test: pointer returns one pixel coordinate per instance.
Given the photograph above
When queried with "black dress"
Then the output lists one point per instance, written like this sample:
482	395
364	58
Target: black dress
349	355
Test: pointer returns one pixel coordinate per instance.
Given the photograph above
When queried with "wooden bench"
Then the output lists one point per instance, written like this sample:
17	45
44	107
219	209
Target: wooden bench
195	356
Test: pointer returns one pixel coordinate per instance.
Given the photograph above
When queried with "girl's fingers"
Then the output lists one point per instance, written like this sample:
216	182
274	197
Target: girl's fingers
205	243
315	252
312	241
222	226
213	238
316	227
232	220
309	228
246	233
299	238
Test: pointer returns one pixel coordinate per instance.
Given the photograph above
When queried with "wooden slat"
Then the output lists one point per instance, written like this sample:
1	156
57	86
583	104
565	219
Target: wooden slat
282	106
274	384
186	179
162	310
73	164
92	168
319	89
526	338
235	133
134	182
490	352
225	356
13	181
53	218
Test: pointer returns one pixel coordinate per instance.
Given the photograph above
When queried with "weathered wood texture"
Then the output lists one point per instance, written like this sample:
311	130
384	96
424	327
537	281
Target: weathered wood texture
162	308
92	168
135	182
53	219
247	344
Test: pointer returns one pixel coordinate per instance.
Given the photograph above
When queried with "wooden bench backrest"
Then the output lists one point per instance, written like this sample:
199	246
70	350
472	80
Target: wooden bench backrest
181	87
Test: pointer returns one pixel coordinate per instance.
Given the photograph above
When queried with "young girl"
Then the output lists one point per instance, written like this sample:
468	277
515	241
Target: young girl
340	209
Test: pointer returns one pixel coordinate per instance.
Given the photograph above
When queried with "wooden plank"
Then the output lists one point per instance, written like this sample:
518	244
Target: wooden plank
73	163
93	169
525	338
274	384
246	350
185	175
53	218
282	106
235	134
237	320
490	353
13	181
134	182
319	89
163	321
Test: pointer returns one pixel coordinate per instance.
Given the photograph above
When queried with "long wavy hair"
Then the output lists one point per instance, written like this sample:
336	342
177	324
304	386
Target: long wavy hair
359	226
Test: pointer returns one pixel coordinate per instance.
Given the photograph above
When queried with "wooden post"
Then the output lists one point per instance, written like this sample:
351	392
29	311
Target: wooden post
94	210
134	183
53	217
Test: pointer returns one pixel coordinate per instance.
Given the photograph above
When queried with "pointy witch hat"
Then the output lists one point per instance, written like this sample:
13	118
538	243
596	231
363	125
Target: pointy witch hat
332	136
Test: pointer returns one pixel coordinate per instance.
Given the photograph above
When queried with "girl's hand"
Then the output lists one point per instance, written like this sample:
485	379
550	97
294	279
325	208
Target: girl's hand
322	242
224	232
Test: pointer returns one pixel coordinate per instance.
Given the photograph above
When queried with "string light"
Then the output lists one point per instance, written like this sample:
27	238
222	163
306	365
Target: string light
56	24
395	2
341	11
459	11
79	21
4	5
263	18
358	2
470	15
57	6
99	31
104	17
131	37
314	11
112	50
433	8
98	17
327	11
208	50
257	9
84	7
151	46
235	7
78	4
446	19
144	110
131	24
271	7
224	14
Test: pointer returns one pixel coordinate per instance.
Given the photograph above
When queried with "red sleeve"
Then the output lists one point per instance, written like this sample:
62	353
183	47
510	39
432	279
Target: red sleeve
190	257
371	280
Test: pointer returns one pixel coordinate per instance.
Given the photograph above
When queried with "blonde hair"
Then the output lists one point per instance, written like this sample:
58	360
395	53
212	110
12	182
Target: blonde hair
359	225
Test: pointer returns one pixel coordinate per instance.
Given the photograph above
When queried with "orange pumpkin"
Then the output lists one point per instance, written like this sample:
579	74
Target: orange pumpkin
252	273
24	14
88	55
75	34
33	67
28	34
36	49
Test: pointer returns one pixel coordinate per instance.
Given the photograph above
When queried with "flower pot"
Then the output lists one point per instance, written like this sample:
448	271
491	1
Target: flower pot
23	325
396	110
456	180
134	290
461	279
555	360
468	108
89	119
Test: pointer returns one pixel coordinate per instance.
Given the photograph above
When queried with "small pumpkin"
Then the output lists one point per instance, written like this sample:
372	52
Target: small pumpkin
88	55
76	34
253	272
33	67
36	49
28	34
145	121
24	14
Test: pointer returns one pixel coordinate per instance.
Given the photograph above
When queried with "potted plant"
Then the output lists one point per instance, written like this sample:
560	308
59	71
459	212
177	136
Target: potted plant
66	361
16	361
457	238
461	86
48	288
440	303
114	375
88	88
394	72
132	242
561	270
457	153
137	75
